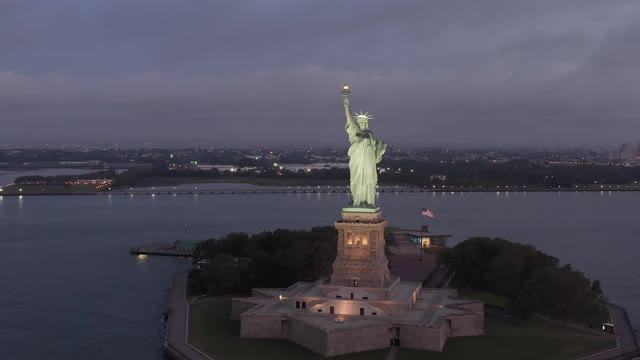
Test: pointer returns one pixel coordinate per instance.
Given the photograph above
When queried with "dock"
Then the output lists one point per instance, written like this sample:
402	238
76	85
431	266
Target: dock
185	248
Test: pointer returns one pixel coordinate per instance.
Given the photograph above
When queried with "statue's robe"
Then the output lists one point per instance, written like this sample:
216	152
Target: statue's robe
364	153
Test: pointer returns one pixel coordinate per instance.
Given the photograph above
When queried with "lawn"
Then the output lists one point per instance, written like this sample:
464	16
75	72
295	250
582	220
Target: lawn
211	330
510	339
489	298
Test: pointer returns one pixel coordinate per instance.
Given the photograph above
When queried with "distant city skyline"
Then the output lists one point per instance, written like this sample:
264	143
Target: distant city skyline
456	73
614	149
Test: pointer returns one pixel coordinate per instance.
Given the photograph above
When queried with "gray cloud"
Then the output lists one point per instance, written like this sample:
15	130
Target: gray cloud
234	72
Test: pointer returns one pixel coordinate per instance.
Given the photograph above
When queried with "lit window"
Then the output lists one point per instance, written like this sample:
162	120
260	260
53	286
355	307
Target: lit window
349	238
357	236
365	239
426	242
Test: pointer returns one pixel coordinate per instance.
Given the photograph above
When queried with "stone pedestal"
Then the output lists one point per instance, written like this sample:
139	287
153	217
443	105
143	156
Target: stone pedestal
360	260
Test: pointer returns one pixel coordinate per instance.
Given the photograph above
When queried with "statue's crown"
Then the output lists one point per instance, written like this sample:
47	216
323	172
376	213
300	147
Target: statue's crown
362	115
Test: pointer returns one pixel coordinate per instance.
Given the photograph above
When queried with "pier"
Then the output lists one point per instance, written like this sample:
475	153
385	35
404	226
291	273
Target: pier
184	248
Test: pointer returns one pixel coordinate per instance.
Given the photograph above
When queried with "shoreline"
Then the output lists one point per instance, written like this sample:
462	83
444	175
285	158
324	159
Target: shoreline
301	190
176	344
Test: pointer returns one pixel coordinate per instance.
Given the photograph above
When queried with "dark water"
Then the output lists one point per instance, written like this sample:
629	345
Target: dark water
70	290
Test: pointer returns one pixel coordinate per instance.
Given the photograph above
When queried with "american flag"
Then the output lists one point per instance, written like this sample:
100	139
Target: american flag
427	212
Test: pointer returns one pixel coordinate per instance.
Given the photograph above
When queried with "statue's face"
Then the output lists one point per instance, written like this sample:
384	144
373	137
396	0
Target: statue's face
363	123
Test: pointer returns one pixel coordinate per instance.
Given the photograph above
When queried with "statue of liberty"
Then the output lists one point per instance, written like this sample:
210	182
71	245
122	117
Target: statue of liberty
364	153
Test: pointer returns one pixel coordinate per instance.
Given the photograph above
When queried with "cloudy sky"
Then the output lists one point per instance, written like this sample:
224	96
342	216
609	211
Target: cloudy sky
237	72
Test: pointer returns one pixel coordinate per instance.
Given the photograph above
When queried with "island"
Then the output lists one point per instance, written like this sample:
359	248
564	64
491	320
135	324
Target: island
331	291
236	263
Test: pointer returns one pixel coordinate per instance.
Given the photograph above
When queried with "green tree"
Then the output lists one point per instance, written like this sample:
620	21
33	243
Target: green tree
269	259
532	280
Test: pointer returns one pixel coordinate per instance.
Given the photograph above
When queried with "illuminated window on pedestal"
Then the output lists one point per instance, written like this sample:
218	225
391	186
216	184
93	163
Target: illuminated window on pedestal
357	239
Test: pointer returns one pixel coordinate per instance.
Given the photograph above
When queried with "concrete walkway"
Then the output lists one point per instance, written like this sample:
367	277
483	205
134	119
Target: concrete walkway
437	278
176	345
627	344
410	268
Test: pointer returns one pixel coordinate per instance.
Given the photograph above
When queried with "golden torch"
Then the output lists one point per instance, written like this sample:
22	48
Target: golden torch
345	90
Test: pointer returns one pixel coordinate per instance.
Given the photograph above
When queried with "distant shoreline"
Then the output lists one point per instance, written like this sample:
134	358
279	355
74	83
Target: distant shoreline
283	182
273	190
174	181
146	185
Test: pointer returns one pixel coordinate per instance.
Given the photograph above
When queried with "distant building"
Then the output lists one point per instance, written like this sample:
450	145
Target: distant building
314	166
90	163
439	177
91	182
627	152
221	168
427	239
129	165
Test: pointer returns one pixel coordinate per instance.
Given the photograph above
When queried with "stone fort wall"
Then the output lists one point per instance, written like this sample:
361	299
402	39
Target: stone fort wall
309	337
358	339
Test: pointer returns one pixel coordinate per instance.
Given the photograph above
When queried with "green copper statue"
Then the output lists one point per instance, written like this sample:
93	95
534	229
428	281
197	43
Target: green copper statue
364	153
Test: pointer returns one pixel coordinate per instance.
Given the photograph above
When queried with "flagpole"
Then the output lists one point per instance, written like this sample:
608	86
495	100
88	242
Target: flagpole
421	232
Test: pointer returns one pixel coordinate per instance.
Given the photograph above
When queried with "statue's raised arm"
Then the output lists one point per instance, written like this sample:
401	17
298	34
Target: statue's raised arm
347	105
